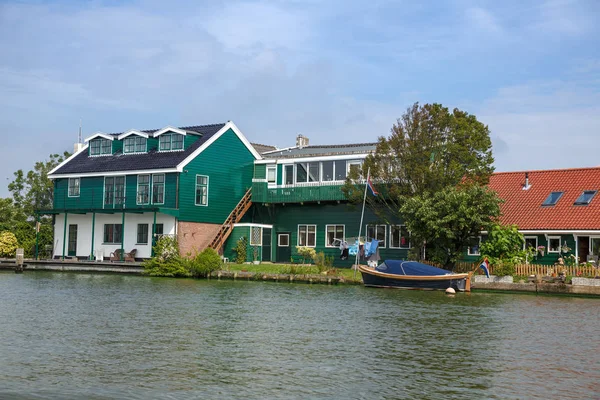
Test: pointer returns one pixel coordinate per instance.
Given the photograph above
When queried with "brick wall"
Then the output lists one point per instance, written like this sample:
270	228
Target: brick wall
195	236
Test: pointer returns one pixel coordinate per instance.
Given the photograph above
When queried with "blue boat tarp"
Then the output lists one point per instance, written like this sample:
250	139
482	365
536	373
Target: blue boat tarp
401	267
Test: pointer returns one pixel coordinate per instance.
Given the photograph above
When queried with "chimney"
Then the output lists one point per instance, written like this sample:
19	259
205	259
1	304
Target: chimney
77	147
526	186
301	141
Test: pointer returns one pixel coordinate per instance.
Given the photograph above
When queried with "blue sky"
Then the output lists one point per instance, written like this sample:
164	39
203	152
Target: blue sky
336	71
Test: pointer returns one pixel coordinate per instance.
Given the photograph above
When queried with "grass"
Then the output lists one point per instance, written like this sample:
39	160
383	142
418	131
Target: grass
347	273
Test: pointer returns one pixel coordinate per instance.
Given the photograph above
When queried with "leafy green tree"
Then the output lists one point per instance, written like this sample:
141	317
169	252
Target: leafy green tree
34	190
504	249
429	149
446	220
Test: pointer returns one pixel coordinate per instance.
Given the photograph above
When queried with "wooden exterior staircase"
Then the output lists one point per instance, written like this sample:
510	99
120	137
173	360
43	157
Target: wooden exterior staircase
238	212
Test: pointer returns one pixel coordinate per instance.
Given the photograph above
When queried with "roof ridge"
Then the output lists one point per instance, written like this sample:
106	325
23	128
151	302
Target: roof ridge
547	170
181	127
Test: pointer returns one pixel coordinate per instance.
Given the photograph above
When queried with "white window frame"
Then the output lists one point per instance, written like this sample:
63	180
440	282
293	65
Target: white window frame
274	168
298	235
479	247
343	234
259	236
170	135
114	195
196	190
101	141
399	226
350	163
284	175
382	244
530	237
279	235
137	192
559	244
134	138
164	185
78	186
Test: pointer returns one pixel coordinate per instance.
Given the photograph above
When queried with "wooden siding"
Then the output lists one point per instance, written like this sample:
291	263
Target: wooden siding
287	218
229	165
91	196
229	248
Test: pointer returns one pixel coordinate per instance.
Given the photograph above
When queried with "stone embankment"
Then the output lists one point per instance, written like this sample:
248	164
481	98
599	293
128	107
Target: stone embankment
578	286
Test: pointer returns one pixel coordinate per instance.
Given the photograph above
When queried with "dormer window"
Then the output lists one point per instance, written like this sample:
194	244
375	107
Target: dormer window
585	198
100	147
552	198
170	141
134	144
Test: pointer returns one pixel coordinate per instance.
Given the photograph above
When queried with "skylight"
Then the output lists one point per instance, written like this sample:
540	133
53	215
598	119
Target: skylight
552	198
585	197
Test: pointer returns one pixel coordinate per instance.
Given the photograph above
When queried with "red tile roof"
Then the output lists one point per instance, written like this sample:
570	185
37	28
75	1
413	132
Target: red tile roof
524	207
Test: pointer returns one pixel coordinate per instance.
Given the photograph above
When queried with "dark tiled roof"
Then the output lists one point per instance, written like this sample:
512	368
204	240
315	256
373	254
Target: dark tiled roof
263	148
524	207
322	150
83	163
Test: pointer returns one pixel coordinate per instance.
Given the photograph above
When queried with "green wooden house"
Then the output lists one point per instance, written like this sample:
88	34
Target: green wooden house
121	191
297	201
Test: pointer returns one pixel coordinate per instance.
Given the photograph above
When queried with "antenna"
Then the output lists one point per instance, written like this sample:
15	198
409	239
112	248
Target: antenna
79	141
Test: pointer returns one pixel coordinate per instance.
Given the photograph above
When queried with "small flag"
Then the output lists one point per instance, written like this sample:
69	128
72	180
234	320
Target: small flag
370	184
485	266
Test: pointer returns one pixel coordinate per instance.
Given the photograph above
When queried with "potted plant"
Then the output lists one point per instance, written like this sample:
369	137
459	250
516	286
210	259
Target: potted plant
541	250
564	248
255	253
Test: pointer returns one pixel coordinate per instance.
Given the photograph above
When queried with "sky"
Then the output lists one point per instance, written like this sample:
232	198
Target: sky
337	71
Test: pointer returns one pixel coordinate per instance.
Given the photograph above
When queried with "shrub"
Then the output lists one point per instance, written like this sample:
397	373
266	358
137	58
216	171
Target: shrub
323	263
205	262
175	268
8	244
306	253
241	249
166	260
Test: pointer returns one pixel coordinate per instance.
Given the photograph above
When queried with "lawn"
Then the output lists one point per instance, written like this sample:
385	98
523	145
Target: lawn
347	273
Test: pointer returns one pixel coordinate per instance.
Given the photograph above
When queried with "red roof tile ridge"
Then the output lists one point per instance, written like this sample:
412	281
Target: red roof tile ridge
547	170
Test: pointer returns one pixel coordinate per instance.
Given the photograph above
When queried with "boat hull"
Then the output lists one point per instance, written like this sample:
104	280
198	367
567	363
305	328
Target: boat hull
374	278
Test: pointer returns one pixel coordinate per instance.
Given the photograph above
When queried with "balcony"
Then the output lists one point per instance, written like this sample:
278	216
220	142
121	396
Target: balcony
299	193
97	200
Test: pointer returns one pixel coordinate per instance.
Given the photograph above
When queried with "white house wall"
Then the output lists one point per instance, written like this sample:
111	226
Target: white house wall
84	232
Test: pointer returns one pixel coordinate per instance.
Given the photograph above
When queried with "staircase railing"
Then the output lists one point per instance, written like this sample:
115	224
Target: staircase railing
235	216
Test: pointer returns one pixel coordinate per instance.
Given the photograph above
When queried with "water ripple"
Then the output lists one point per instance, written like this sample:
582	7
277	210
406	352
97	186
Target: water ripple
106	336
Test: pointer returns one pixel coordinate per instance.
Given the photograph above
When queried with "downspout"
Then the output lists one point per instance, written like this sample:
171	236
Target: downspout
153	235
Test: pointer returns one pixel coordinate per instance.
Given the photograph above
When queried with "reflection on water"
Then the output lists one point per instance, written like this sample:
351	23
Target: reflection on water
106	336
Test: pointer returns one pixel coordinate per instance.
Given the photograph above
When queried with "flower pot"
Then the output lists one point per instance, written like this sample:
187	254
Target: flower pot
541	253
256	262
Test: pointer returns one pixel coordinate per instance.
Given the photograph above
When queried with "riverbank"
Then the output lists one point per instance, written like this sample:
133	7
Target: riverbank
296	274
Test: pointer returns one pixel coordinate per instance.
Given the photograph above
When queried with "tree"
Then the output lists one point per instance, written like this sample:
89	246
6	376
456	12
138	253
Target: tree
8	244
31	191
429	149
430	172
34	190
504	249
449	218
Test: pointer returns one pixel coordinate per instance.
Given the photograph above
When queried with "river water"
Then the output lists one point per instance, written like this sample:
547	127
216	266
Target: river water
70	336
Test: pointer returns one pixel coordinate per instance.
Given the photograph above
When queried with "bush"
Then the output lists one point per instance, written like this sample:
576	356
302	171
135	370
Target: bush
241	249
205	262
174	268
8	244
306	253
323	263
166	260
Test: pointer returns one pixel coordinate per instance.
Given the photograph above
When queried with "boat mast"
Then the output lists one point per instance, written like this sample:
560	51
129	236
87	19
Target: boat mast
361	219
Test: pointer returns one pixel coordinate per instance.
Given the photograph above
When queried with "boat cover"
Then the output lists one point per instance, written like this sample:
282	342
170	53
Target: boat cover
401	267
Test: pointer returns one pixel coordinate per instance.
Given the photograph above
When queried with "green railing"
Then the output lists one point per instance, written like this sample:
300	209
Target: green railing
98	199
261	193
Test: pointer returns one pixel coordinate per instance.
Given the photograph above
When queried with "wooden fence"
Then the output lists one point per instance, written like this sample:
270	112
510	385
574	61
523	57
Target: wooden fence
528	269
